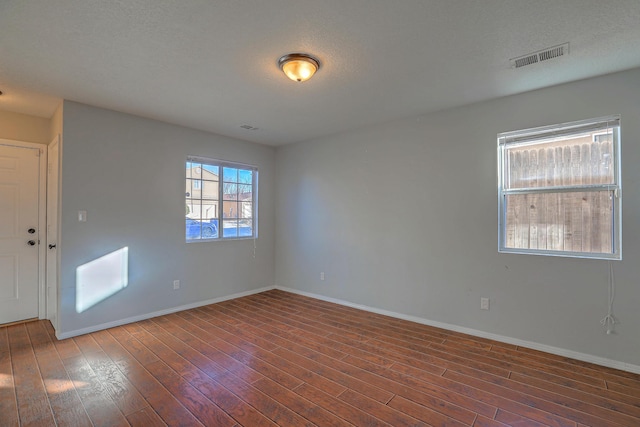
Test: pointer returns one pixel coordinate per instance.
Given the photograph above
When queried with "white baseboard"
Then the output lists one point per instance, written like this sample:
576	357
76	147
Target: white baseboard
157	313
528	344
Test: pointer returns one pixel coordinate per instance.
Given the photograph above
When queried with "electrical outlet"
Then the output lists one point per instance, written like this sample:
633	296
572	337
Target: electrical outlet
484	303
176	284
322	275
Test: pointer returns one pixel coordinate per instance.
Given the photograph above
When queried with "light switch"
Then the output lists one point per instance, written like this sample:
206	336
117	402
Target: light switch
82	216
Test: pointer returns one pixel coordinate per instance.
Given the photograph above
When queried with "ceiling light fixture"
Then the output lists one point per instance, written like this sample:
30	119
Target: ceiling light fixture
299	67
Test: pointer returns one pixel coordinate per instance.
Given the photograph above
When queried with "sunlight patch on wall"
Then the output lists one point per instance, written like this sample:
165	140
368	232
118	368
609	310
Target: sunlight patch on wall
101	278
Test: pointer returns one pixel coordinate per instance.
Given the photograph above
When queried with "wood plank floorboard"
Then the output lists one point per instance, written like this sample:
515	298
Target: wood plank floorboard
282	359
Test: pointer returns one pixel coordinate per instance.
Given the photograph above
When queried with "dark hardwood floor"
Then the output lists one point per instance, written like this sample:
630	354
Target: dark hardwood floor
277	358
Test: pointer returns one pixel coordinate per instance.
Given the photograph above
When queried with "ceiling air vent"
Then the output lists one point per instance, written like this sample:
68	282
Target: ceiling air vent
540	56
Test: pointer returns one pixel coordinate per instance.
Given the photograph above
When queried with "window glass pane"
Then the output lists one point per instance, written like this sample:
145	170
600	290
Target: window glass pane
193	209
230	191
230	209
229	228
210	190
245	176
246	209
231	174
576	160
193	229
210	172
191	168
572	221
210	229
245	228
245	192
209	209
189	188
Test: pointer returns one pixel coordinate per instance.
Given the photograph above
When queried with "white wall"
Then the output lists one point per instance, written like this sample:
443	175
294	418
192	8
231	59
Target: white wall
118	168
403	217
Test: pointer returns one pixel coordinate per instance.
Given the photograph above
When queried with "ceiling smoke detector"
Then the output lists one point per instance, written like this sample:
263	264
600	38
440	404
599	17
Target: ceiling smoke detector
540	56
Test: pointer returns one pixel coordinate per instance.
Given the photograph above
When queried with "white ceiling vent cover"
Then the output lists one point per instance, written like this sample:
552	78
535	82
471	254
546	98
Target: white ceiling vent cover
540	56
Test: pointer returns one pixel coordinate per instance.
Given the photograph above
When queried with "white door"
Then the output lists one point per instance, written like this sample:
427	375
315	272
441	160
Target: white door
19	234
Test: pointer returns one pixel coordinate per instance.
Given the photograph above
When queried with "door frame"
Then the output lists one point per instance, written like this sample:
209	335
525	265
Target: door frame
42	218
51	280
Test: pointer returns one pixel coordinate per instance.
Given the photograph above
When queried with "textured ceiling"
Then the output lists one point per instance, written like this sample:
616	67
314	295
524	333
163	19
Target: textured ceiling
212	65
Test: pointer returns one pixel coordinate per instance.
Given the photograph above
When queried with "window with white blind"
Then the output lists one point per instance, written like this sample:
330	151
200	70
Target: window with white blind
221	200
559	190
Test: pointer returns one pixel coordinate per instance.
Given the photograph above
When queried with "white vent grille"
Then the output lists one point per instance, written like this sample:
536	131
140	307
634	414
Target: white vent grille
540	56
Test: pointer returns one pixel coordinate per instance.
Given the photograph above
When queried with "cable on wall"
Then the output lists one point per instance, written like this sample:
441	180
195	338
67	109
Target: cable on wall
609	321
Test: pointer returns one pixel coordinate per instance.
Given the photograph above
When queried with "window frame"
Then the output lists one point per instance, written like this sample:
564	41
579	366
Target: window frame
538	135
219	216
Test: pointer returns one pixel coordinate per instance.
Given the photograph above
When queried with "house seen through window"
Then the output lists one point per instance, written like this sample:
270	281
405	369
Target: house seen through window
221	200
559	190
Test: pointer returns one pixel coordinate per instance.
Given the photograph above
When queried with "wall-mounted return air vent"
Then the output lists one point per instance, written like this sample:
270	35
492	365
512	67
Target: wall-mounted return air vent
540	56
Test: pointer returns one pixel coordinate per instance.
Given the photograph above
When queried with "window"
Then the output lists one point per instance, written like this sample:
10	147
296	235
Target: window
559	190
221	200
